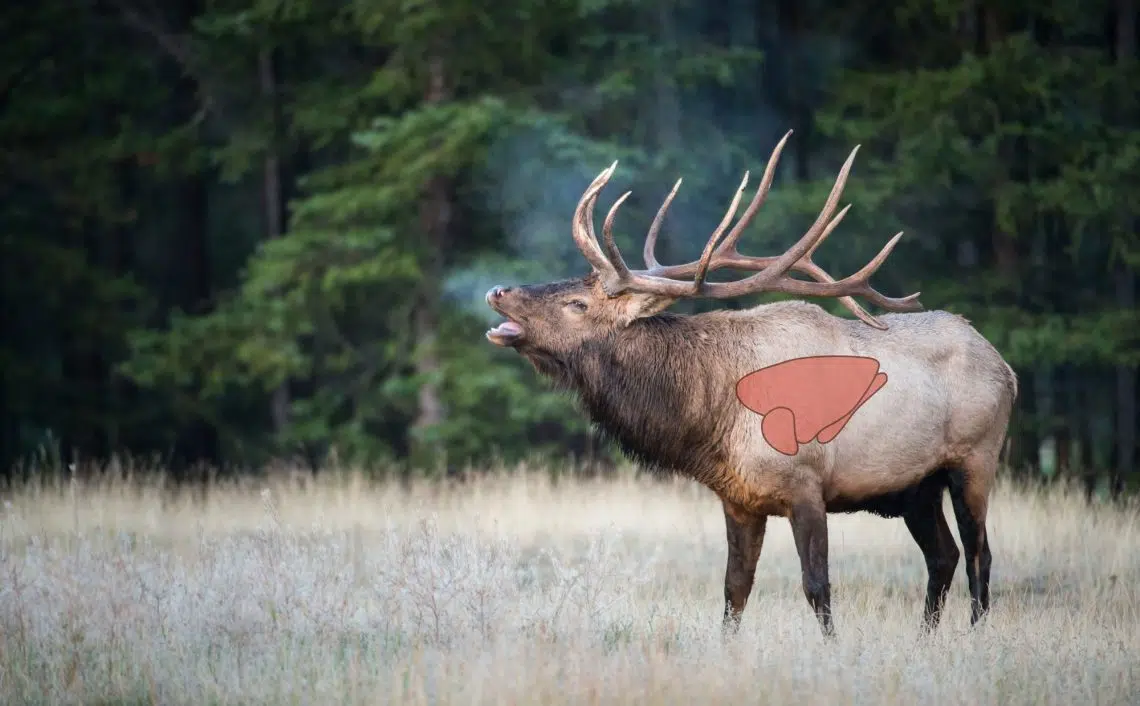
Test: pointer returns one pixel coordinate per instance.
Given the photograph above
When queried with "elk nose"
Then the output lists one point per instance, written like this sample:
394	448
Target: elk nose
495	293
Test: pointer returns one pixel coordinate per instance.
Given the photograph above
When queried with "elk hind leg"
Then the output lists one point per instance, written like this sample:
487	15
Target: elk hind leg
969	493
745	534
927	525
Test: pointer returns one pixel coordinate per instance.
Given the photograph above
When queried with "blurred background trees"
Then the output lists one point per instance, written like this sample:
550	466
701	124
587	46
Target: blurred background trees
237	230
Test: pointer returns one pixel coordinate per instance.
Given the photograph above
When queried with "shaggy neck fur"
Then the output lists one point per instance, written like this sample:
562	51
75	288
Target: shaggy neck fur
657	389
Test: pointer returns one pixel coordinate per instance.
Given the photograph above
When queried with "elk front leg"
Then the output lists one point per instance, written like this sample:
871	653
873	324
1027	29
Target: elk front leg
809	530
745	538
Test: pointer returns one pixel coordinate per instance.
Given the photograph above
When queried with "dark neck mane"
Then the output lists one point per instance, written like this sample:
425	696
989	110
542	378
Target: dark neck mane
654	389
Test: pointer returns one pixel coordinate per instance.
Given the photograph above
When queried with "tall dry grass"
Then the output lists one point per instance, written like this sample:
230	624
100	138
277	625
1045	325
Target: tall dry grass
513	589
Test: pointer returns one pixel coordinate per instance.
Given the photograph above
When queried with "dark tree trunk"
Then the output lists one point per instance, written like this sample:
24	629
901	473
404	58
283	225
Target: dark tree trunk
199	441
1125	282
1028	446
666	118
435	221
1004	245
272	199
193	261
792	19
120	395
185	265
1125	396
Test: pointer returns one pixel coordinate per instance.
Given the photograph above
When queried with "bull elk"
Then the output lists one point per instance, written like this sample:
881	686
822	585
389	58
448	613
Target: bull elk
664	386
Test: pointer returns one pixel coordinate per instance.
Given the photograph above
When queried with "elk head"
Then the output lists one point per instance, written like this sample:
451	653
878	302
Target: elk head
549	321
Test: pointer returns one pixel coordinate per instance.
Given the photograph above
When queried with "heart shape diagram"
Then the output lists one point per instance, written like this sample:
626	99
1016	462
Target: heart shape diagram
809	398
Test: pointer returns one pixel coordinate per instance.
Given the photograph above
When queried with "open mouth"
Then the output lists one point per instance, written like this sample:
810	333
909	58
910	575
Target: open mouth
505	334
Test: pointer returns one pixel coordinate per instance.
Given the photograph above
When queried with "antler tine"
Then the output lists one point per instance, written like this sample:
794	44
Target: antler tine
710	246
613	254
774	267
727	248
620	278
651	237
907	303
806	266
863	275
740	262
616	275
583	224
615	258
770	272
856	284
810	239
817	273
729	243
826	232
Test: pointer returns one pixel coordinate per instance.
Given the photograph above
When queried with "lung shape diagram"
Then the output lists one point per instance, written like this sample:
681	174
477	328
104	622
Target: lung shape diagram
809	398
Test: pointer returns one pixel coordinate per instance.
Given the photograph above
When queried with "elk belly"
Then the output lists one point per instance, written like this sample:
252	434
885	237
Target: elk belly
809	398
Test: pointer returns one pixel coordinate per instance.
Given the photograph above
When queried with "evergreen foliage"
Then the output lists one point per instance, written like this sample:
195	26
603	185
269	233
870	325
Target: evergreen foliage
243	229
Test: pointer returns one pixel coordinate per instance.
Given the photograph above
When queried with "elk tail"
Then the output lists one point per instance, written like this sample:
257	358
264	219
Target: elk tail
1011	385
1012	380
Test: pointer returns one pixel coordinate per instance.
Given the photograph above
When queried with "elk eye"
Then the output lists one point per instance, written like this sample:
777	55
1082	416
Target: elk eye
576	304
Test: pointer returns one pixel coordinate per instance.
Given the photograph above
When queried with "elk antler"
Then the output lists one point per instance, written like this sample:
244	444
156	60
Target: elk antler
771	272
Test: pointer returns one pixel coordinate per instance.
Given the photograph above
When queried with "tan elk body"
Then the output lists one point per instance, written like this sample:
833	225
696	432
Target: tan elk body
664	386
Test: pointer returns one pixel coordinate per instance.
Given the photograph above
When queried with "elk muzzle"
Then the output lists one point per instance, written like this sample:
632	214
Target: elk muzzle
508	333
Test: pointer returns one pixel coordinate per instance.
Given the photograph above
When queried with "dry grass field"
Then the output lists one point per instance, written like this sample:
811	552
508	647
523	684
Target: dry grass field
513	589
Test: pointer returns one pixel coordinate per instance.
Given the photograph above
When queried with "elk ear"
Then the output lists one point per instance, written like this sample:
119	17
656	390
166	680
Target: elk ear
638	306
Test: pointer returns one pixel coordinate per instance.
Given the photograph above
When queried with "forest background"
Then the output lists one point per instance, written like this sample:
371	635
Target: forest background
242	230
